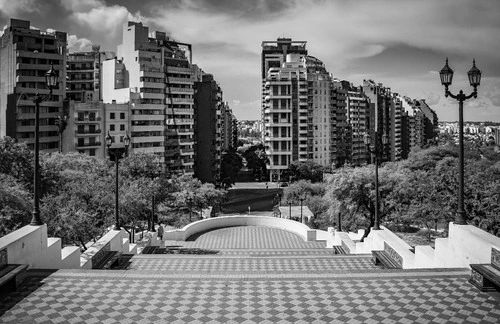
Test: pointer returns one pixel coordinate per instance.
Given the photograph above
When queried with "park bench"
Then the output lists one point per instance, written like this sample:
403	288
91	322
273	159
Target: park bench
107	260
11	276
388	258
149	250
486	277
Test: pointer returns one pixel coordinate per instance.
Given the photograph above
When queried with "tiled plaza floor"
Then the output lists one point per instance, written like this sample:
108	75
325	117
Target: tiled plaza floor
251	237
248	288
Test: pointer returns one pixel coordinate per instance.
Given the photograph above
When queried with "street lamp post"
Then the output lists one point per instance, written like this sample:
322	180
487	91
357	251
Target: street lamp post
153	214
301	200
377	152
51	81
474	75
190	205
115	154
290	209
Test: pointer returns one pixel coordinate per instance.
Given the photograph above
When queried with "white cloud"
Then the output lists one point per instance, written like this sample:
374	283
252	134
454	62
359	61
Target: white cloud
82	5
13	8
76	44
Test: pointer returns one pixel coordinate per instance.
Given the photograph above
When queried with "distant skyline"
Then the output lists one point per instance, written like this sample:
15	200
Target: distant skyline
402	44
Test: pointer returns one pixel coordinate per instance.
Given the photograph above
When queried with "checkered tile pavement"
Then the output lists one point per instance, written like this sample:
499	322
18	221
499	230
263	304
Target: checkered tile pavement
277	280
105	297
251	237
219	264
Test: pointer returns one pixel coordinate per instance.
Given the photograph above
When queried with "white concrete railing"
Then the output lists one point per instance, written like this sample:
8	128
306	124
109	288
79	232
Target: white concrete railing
30	245
464	245
228	221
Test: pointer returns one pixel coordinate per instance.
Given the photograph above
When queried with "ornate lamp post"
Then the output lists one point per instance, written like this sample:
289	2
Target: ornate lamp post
446	75
51	81
115	154
377	152
301	200
190	205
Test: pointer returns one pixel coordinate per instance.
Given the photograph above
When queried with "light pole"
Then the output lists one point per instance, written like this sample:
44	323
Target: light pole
474	75
51	81
153	214
115	154
301	200
377	152
190	205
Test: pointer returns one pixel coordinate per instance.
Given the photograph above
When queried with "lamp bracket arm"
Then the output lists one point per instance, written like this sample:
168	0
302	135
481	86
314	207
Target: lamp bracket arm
448	93
473	94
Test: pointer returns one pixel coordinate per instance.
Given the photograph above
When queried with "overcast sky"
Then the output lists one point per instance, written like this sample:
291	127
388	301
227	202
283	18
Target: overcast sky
402	44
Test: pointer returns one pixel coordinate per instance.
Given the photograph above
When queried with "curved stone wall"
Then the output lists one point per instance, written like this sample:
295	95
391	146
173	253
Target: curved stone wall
229	221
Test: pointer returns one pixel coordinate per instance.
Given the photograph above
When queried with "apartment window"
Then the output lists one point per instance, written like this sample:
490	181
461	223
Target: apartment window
112	128
112	116
122	115
122	127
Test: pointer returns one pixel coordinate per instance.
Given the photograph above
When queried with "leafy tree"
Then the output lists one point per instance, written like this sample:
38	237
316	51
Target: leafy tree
312	197
351	192
16	160
256	158
188	194
15	204
308	170
230	166
79	206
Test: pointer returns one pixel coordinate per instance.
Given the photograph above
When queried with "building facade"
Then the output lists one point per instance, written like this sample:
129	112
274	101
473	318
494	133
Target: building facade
155	75
209	127
26	54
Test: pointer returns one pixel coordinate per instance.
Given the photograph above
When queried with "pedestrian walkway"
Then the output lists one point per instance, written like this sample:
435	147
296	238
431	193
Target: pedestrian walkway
260	284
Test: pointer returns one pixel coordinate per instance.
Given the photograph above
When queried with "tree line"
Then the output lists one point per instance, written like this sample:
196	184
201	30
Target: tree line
420	191
77	193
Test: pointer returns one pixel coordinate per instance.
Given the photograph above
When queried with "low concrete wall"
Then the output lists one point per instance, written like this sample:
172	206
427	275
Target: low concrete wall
30	245
24	246
111	241
229	221
465	245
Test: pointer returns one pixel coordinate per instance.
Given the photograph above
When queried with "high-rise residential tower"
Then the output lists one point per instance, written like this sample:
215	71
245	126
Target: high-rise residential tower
26	54
285	114
155	75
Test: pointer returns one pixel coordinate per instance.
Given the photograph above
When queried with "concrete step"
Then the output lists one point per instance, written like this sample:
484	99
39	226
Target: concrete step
377	274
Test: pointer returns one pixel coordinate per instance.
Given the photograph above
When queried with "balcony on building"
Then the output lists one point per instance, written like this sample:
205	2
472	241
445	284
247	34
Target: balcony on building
87	145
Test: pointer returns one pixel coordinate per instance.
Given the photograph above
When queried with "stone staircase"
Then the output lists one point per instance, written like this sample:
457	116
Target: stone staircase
257	275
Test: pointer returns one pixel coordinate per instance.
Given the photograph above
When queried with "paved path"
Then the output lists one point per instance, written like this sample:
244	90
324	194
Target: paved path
266	285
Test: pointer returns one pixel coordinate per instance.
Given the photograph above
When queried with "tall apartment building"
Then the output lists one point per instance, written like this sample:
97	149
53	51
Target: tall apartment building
85	129
155	75
358	118
425	126
321	119
379	113
227	138
303	109
342	133
83	74
285	113
209	127
26	54
396	130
